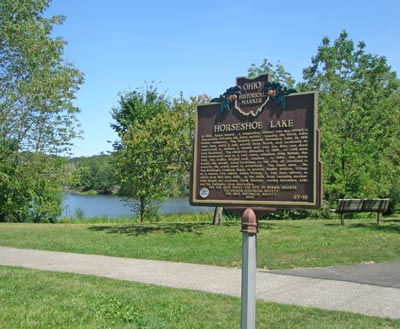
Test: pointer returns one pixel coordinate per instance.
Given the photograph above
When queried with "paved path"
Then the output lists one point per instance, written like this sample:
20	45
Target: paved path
381	274
287	287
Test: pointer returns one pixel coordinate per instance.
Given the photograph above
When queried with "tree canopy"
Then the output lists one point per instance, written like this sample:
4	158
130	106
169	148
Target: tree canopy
359	113
37	116
277	72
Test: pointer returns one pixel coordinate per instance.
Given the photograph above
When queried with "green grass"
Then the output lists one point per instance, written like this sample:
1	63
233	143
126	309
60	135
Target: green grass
280	244
38	299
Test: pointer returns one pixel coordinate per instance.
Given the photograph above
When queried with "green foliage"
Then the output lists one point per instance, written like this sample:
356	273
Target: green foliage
31	190
37	117
139	161
359	117
277	73
36	85
322	213
154	146
136	107
92	174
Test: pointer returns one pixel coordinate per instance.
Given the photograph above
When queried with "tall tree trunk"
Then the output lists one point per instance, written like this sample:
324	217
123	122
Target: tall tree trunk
217	220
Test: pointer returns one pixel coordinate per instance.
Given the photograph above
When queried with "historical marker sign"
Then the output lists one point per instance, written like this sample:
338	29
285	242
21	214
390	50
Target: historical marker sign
252	98
261	150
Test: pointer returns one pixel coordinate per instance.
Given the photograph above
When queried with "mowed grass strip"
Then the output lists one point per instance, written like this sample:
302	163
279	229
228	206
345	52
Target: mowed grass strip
39	299
280	244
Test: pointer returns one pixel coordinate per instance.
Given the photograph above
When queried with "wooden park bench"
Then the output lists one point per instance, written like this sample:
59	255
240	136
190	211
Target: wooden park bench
361	205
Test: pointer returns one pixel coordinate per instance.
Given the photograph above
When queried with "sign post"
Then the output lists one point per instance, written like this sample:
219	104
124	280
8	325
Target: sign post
257	145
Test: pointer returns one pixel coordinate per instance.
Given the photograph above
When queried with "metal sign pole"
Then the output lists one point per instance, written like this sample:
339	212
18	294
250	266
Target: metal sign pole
248	308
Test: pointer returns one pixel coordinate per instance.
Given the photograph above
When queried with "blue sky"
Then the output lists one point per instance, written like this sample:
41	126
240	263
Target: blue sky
198	47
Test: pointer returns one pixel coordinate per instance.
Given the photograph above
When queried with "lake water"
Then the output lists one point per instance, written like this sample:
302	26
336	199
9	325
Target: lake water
114	207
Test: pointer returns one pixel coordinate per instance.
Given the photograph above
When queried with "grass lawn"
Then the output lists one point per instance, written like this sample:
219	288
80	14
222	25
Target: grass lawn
280	244
38	299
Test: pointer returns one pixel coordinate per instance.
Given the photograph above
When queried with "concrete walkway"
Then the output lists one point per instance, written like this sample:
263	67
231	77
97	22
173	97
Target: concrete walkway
288	287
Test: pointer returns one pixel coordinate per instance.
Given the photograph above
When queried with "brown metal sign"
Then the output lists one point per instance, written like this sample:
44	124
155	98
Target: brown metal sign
267	156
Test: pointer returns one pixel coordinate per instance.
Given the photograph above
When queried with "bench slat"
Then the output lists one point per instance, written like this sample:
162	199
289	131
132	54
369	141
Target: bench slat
379	205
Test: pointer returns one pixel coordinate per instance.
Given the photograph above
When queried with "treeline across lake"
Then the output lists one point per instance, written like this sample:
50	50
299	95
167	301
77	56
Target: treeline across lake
95	175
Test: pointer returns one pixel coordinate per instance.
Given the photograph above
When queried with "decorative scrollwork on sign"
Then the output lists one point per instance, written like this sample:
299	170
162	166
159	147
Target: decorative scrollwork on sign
278	93
251	101
229	96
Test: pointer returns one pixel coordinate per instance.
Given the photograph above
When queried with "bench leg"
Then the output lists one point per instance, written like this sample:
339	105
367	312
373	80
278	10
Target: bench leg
342	219
379	218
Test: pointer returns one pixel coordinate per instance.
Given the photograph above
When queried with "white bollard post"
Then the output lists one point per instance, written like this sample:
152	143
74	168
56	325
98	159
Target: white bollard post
249	268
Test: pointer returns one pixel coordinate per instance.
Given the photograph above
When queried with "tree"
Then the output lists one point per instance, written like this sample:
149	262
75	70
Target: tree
37	117
277	73
154	145
358	116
